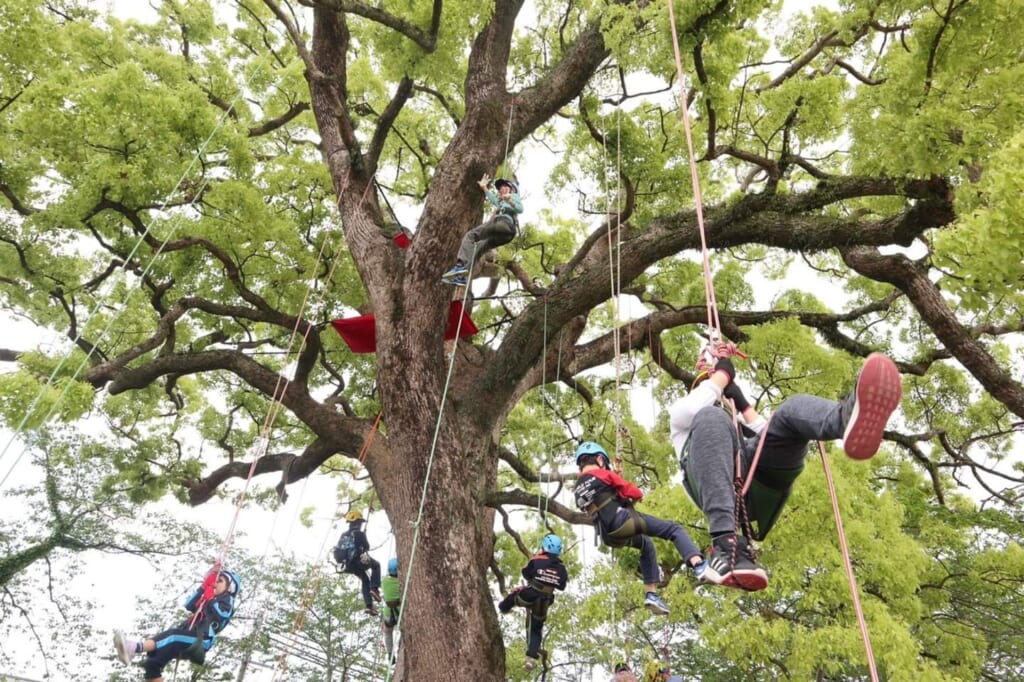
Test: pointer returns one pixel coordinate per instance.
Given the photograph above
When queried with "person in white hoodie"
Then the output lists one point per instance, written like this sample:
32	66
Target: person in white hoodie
708	444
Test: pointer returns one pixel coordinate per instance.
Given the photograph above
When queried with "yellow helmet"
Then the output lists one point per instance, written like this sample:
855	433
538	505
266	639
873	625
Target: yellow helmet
353	516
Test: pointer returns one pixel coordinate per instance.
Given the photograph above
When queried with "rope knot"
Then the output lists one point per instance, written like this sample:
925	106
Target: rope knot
713	351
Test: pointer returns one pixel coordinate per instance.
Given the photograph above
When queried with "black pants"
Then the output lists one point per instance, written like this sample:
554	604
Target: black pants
170	644
536	603
368	573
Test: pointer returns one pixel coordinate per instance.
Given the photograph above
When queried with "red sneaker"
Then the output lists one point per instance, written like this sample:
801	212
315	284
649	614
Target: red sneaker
878	393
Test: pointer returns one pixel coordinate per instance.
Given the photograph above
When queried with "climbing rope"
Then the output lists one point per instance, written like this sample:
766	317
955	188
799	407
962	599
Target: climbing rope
542	504
280	388
430	460
848	565
709	289
508	131
312	584
260	447
615	280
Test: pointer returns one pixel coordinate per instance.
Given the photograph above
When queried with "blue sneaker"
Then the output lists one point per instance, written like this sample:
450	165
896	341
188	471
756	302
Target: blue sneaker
455	271
458	280
700	571
655	605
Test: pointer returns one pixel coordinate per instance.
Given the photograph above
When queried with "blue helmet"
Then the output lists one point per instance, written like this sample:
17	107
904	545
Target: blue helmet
393	566
234	582
591	448
512	184
552	544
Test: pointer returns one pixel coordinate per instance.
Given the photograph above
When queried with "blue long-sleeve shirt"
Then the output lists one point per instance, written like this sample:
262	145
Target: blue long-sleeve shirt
513	203
214	616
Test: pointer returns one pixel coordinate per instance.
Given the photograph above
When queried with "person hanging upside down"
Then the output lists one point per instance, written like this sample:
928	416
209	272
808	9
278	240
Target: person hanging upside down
609	499
499	229
544	574
706	442
212	606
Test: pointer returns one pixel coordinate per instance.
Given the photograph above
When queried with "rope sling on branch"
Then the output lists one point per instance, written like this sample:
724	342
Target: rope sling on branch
715	346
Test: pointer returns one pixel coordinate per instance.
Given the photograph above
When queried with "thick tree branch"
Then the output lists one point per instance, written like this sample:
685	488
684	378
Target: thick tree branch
426	40
784	221
912	279
16	203
297	40
522	498
387	120
347	440
530	475
284	119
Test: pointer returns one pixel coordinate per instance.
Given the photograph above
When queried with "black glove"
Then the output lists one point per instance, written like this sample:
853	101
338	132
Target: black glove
725	365
733	392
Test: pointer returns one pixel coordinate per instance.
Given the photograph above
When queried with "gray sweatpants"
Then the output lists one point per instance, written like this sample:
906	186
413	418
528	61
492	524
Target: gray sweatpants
709	459
495	232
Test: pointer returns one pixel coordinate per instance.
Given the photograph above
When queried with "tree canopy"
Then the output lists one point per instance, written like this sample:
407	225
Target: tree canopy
189	201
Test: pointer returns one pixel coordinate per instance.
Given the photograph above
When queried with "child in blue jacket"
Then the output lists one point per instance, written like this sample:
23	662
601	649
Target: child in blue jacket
499	229
212	606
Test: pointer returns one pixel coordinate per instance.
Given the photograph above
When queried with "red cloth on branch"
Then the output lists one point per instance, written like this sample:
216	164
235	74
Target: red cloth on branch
361	336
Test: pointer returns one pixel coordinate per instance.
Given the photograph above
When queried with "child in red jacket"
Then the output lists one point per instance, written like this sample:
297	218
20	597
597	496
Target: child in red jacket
609	498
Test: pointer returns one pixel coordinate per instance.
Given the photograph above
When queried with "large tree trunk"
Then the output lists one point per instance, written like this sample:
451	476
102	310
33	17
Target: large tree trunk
449	627
433	493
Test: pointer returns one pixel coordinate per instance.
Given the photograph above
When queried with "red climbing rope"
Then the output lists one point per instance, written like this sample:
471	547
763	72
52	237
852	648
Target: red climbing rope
848	564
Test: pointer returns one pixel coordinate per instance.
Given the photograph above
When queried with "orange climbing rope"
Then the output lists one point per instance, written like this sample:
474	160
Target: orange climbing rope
709	289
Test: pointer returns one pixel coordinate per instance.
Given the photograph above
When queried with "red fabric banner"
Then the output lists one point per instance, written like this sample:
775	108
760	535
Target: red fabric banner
361	336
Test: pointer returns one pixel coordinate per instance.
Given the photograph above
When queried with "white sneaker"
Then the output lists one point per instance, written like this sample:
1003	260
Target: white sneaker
125	647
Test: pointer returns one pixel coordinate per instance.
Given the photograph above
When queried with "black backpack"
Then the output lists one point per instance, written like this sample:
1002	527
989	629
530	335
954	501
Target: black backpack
345	551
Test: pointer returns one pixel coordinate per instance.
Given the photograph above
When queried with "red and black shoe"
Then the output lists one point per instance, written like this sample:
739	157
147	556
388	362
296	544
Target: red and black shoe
731	564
